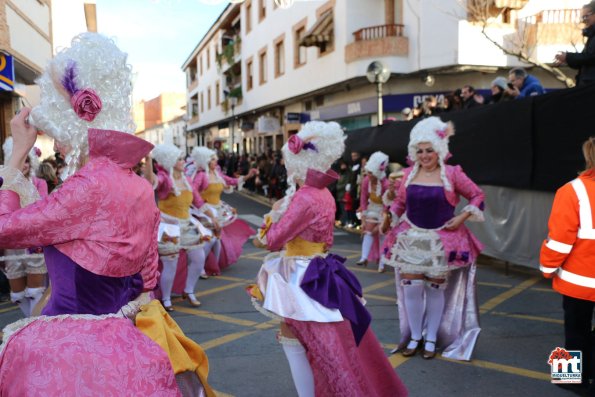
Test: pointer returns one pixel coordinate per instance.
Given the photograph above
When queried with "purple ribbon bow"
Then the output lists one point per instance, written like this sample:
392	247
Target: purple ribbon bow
329	283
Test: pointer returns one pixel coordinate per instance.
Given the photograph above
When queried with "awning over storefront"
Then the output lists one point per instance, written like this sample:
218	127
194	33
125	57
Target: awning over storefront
514	4
320	33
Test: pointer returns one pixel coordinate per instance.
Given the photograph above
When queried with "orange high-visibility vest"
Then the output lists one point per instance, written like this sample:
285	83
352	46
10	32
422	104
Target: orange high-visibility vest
568	254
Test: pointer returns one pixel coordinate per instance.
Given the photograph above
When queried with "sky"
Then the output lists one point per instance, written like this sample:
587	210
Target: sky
158	35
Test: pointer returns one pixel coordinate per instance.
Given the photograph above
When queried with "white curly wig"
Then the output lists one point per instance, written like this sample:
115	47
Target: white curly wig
202	156
167	156
329	141
435	131
33	158
325	144
377	165
92	62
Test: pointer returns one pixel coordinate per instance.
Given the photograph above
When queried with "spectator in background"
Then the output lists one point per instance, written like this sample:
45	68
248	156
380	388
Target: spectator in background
48	174
583	61
355	178
470	98
522	84
407	114
499	86
341	192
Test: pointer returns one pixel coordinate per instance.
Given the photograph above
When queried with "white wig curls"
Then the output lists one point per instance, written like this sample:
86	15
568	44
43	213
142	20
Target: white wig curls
328	142
377	165
436	132
323	143
167	156
92	62
202	156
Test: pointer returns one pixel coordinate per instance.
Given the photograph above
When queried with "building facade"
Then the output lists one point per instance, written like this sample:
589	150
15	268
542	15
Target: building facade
25	47
261	71
163	120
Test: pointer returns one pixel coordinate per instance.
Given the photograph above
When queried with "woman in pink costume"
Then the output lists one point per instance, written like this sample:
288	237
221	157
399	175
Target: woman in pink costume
210	182
325	332
99	232
373	187
25	269
178	230
433	252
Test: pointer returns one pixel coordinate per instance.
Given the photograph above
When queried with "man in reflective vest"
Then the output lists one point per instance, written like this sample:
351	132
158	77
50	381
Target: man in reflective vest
568	258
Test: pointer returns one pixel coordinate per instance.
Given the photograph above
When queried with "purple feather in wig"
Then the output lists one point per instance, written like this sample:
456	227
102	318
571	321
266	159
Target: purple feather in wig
311	146
68	80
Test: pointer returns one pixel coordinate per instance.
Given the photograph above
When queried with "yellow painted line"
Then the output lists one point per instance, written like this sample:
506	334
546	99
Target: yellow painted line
6	303
495	301
346	250
353	256
495	285
380	297
227	278
544	289
269	324
9	309
509	369
379	285
529	317
362	269
225	339
213	316
251	258
397	359
219	289
221	394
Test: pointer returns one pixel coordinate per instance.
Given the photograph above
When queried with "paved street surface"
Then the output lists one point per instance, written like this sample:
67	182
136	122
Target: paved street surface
521	319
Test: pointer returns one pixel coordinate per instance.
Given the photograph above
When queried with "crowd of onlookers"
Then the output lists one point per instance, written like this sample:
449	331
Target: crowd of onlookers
519	84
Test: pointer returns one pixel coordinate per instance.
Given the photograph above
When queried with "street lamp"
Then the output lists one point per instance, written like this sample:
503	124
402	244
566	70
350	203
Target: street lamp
233	101
378	74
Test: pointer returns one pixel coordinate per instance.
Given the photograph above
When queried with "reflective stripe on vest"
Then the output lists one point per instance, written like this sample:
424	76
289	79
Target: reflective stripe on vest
547	269
573	278
558	246
585	231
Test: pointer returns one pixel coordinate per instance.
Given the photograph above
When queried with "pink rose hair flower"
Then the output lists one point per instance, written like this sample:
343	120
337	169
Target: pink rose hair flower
86	104
295	144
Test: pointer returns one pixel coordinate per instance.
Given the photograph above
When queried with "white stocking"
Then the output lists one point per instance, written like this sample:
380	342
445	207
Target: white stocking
413	294
170	264
217	249
196	265
300	369
34	295
434	309
24	303
367	242
382	259
208	246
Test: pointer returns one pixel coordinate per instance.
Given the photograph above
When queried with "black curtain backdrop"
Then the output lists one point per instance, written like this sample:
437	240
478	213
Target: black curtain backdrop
533	143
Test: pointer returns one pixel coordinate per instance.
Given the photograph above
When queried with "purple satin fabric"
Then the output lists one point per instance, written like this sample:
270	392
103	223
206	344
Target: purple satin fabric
78	291
427	206
329	283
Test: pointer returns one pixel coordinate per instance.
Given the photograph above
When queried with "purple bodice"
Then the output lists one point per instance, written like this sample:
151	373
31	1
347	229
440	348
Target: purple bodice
78	291
427	206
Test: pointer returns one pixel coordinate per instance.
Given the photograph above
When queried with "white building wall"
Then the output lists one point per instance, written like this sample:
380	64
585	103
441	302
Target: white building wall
37	12
26	40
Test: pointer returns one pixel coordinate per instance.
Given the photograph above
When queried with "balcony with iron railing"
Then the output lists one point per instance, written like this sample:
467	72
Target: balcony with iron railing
377	41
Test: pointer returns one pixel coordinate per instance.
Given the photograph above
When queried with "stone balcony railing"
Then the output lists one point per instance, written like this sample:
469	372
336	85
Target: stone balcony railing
377	41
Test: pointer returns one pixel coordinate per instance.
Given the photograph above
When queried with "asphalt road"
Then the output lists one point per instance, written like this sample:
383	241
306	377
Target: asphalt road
521	320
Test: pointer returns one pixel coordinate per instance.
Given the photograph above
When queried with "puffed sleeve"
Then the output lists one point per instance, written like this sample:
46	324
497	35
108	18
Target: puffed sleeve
398	206
296	219
164	184
563	229
464	186
57	218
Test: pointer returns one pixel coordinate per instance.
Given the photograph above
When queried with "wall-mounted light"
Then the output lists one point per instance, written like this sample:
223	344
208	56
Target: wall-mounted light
428	80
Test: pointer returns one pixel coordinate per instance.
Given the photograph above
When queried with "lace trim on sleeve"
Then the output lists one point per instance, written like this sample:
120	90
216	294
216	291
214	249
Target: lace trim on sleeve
476	213
15	181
